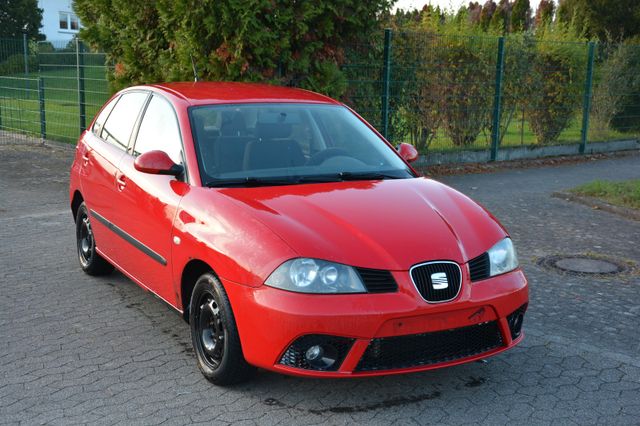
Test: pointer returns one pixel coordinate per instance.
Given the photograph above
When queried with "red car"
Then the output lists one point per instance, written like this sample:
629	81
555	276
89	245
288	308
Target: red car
290	234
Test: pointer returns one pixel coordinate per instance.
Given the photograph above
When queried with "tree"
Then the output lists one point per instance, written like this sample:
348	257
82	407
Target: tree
474	10
488	9
544	13
520	16
298	43
603	19
18	17
500	21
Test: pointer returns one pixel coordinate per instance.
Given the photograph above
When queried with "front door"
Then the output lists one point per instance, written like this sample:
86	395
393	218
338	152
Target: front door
148	203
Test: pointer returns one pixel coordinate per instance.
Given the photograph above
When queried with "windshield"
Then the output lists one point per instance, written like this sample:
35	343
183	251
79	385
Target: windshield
279	144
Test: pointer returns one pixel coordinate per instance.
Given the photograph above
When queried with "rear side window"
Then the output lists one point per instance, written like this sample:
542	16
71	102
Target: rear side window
159	130
117	129
102	117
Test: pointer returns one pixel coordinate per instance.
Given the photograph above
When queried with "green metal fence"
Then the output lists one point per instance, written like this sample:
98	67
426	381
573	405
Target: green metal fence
481	96
491	95
22	108
71	81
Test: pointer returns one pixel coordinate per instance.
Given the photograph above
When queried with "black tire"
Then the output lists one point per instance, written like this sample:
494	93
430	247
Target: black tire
90	261
214	334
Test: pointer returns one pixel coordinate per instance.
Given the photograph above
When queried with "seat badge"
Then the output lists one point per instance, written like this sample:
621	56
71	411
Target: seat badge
439	281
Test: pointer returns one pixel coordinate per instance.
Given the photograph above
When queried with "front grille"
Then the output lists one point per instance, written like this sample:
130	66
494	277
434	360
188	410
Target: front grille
415	350
441	290
338	347
377	280
479	268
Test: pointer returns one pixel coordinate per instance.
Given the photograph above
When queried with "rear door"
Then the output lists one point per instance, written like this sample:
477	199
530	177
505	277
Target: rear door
148	203
106	145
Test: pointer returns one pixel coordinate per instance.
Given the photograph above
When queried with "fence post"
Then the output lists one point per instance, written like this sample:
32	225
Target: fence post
80	75
497	100
43	122
386	76
25	50
586	104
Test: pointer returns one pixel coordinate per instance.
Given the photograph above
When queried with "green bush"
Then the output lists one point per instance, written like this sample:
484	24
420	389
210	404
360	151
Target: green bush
464	82
557	82
414	102
14	64
279	41
627	116
611	86
415	99
519	54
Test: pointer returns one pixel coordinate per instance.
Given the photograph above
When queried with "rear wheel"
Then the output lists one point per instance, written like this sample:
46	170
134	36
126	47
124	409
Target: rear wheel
214	334
90	261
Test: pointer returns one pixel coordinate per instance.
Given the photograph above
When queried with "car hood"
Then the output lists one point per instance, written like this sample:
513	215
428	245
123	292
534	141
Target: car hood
387	224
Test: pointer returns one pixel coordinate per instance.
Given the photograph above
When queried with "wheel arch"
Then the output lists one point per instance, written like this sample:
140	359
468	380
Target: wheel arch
190	274
75	203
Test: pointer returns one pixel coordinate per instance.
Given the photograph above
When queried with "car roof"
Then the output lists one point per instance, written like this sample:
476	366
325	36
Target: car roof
204	93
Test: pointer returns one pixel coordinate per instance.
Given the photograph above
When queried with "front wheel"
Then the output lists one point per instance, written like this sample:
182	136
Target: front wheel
90	261
214	334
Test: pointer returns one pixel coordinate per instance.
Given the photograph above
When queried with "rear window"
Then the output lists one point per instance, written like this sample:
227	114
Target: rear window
102	117
117	130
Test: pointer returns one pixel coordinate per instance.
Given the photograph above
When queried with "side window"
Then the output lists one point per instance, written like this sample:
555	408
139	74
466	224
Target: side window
159	130
119	125
102	117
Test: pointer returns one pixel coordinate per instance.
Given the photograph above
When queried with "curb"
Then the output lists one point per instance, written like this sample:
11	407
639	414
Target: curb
597	204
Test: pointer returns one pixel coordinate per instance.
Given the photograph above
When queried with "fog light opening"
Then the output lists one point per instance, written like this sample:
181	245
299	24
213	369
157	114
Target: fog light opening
516	325
318	352
515	321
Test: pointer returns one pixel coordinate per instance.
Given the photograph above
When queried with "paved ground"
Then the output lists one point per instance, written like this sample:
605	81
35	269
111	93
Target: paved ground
76	349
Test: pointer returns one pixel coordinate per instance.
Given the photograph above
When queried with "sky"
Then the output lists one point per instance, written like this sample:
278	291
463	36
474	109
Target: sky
444	4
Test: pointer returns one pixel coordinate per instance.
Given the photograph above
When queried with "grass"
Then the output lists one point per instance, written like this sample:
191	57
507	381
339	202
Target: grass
518	133
625	193
20	107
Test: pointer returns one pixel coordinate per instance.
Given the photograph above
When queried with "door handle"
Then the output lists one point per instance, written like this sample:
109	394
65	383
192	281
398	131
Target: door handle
85	158
121	182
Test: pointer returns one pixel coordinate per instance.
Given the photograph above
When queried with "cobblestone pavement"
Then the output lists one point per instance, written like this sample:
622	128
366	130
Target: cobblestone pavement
77	349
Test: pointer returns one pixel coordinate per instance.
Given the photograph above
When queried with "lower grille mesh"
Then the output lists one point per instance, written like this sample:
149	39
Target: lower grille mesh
414	350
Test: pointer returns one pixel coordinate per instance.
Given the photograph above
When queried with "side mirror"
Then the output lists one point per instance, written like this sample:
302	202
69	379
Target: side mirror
157	163
408	152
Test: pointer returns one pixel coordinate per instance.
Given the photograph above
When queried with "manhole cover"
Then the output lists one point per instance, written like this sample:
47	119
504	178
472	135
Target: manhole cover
584	264
587	266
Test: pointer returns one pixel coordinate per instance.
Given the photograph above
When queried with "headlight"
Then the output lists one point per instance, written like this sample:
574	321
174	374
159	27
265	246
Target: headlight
305	275
502	257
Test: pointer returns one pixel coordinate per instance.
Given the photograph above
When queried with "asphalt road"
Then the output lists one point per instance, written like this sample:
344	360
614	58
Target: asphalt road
77	349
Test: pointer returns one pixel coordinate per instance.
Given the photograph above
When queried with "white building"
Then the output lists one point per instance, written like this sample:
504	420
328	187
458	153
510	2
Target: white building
59	22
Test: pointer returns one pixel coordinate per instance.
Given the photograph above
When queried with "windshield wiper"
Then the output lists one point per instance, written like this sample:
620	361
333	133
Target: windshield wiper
249	182
252	181
367	176
318	179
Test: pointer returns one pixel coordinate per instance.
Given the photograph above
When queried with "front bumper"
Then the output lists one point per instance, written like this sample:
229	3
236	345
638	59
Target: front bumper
270	320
